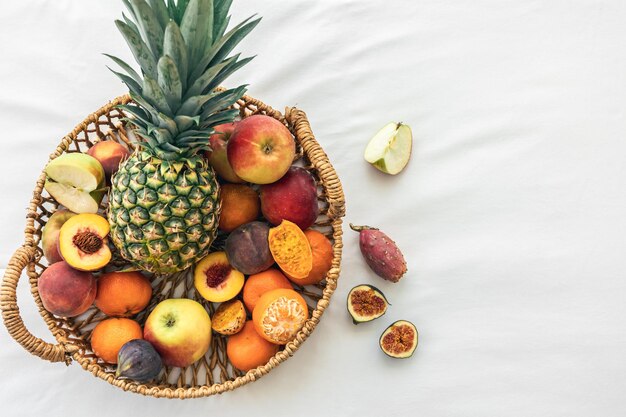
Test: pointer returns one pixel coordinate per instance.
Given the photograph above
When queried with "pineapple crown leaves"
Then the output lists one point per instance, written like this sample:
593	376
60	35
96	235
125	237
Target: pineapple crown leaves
182	48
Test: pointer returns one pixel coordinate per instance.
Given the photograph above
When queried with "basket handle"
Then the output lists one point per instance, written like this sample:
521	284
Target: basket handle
11	312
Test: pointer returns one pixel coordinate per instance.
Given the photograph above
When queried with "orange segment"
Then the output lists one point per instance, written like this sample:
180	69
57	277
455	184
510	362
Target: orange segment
279	315
291	250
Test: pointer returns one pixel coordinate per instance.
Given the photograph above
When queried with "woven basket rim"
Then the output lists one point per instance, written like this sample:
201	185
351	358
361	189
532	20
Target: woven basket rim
65	351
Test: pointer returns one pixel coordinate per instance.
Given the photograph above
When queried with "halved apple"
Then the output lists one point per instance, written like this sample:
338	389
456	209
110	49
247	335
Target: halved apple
390	149
83	242
77	181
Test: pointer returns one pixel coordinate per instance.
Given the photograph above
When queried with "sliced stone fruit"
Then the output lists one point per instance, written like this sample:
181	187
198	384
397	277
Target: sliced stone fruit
138	360
216	280
83	242
229	318
366	303
50	235
76	181
399	340
389	150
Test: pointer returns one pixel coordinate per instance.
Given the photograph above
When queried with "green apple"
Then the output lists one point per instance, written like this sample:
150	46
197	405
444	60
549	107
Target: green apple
77	181
390	149
180	330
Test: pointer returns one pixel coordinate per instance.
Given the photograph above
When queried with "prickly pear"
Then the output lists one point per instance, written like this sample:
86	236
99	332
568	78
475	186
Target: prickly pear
381	253
138	360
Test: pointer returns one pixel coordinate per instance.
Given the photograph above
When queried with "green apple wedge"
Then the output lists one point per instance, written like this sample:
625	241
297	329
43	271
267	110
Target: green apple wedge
390	149
76	181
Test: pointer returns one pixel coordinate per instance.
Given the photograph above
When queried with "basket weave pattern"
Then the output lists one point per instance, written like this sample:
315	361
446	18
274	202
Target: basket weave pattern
213	374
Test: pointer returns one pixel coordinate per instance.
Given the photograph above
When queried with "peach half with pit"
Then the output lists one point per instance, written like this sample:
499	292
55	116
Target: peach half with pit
216	280
83	242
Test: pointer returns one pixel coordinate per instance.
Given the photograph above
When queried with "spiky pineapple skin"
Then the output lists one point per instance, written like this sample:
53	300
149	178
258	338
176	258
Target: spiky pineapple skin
163	215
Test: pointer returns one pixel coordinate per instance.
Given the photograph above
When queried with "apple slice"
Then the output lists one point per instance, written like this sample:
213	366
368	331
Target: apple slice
390	149
76	181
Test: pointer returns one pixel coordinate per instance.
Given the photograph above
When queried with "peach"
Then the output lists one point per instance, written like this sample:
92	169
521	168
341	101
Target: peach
180	330
293	198
50	235
240	205
83	242
218	157
110	154
66	292
216	280
261	149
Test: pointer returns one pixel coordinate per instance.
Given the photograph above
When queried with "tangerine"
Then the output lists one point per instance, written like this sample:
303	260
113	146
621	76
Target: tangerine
279	315
247	349
258	284
123	294
108	337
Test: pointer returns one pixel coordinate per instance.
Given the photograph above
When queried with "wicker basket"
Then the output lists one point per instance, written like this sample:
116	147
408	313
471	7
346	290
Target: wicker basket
213	374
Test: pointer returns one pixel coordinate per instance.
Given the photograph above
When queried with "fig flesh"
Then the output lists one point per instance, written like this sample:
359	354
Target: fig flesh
399	340
139	361
366	303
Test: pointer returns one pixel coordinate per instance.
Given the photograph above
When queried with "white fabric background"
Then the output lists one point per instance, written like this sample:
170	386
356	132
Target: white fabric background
510	213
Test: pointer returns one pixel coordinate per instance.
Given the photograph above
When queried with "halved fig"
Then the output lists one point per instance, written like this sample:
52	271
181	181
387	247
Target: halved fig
366	303
399	340
83	242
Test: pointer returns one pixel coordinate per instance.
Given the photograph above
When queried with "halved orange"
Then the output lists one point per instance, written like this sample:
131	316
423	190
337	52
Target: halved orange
279	315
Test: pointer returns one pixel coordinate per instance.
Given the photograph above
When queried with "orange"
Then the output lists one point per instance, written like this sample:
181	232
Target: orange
322	251
290	249
110	335
246	350
123	294
279	315
240	205
258	284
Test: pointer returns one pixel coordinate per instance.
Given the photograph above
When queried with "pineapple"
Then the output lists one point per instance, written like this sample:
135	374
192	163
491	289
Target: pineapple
164	202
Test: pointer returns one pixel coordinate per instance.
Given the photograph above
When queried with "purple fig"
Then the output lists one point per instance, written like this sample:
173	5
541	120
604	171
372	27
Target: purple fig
381	253
138	360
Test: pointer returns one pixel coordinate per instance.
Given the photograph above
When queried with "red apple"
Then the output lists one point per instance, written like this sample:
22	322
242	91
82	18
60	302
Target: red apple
293	198
261	149
217	156
180	330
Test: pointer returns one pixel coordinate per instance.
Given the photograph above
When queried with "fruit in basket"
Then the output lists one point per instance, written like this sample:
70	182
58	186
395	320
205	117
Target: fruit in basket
247	248
293	198
366	303
76	181
247	349
139	361
240	205
258	284
279	315
217	156
83	242
390	149
180	330
50	235
109	335
109	153
399	340
66	292
381	253
164	199
216	280
229	318
123	294
261	149
322	258
291	250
